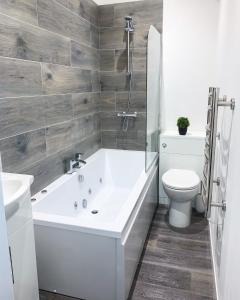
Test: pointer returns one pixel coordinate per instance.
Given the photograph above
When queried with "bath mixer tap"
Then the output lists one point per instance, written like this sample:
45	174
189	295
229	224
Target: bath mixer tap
78	158
72	165
76	163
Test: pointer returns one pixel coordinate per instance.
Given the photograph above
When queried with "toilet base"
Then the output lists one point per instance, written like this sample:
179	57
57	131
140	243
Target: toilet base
180	214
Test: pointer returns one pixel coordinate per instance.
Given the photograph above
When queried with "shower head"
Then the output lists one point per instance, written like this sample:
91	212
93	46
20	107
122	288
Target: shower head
129	24
128	18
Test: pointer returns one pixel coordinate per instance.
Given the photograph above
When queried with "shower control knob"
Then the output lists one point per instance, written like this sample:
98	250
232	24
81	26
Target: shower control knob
164	145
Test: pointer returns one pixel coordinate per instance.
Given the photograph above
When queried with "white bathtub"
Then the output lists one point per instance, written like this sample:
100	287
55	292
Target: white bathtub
94	256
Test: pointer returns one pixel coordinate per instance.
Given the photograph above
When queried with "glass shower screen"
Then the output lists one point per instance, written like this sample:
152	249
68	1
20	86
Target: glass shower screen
153	94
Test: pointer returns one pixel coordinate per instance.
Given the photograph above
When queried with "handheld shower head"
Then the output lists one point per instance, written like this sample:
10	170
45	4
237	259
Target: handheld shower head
128	18
129	24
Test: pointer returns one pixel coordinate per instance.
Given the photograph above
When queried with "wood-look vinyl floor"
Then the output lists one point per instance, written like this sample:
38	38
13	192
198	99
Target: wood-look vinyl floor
176	263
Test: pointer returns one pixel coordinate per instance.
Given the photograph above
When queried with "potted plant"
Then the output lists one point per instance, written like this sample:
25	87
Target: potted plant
183	124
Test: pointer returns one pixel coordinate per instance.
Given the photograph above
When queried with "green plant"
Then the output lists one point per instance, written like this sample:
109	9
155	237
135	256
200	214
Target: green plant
183	122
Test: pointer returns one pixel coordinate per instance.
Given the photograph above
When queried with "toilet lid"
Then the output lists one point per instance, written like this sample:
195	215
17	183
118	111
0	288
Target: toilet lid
180	179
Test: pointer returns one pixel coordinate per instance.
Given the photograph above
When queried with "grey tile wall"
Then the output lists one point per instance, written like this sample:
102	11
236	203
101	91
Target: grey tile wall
49	85
63	79
113	66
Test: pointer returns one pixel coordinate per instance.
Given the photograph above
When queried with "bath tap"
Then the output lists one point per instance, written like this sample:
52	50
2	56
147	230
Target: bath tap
73	164
78	158
76	163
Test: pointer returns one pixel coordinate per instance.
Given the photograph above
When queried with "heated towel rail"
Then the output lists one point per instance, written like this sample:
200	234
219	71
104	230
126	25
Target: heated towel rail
214	101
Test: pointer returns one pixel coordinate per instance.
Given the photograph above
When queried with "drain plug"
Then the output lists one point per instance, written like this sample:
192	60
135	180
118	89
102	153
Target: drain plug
94	212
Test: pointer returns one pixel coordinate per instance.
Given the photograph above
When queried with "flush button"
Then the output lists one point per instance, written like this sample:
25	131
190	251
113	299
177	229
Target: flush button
164	145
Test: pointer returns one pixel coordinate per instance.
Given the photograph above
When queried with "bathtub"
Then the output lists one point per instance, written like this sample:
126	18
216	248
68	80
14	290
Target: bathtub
90	226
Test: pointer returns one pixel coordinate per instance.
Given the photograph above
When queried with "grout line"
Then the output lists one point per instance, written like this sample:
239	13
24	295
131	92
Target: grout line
70	53
41	71
46	95
37	12
46	63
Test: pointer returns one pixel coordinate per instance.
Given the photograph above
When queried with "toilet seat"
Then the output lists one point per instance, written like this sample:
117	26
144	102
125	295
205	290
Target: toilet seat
181	179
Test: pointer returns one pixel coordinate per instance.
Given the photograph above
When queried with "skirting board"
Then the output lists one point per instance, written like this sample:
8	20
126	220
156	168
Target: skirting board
214	263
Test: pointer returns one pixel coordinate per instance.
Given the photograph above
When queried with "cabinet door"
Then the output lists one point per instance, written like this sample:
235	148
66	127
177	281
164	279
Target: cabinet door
22	247
6	287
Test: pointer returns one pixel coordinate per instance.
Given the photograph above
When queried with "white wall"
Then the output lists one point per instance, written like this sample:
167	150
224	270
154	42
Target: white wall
228	76
189	45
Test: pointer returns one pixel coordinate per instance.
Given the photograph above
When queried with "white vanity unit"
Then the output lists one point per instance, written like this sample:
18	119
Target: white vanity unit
18	211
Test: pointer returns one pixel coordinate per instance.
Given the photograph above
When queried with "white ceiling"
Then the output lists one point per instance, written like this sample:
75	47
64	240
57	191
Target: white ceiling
104	2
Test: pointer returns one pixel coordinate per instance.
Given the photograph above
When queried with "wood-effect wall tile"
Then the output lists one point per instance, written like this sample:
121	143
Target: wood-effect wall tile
58	137
107	60
21	40
94	36
84	56
57	109
108	101
87	9
109	139
22	150
19	115
89	145
113	81
85	103
35	66
19	78
95	81
49	169
106	15
25	10
54	17
137	103
60	79
83	127
142	12
110	121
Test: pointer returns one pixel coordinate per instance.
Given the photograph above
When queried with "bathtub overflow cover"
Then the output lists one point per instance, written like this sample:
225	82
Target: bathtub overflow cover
94	212
33	199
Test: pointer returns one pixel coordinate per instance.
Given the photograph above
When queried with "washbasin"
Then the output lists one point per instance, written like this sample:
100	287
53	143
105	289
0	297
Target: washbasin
15	186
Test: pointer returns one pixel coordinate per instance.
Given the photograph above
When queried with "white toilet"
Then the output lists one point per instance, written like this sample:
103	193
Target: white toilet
181	187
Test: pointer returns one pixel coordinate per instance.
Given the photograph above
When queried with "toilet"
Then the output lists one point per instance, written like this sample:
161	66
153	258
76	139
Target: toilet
181	187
